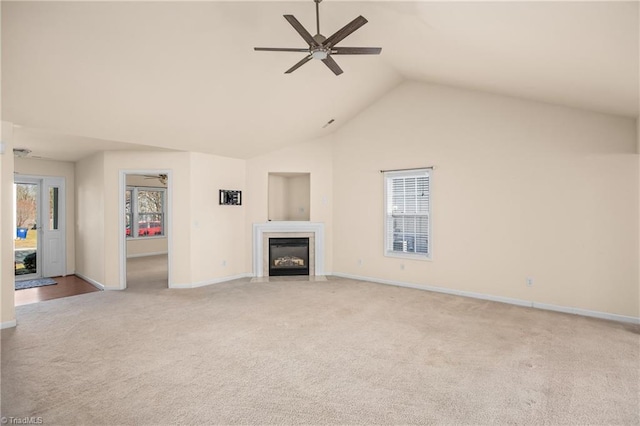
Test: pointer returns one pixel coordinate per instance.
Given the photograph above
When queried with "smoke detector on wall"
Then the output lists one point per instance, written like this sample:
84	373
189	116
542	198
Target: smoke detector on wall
21	152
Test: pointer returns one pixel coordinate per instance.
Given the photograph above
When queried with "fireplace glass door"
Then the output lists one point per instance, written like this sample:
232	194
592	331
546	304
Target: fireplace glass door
288	256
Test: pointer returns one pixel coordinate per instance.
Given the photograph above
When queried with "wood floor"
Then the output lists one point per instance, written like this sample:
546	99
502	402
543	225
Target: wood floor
67	286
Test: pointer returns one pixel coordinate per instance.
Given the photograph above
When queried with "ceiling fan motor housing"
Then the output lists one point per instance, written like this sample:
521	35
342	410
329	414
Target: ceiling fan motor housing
319	38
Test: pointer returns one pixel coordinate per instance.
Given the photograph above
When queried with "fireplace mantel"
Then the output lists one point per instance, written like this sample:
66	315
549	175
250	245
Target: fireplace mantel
259	229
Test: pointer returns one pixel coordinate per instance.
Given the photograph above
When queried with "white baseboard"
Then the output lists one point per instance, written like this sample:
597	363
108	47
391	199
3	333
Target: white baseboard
94	283
210	282
8	324
586	312
131	256
511	301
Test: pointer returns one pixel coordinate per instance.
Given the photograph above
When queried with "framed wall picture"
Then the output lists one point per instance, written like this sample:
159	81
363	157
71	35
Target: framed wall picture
230	197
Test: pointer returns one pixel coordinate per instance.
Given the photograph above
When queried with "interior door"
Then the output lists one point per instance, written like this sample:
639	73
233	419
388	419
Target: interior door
52	230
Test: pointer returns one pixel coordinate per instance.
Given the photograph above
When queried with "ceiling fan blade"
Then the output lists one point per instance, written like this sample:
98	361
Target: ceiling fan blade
280	49
356	50
299	64
301	30
333	65
339	35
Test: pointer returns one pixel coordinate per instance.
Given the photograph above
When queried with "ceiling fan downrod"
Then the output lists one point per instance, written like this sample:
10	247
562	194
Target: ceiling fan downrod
317	16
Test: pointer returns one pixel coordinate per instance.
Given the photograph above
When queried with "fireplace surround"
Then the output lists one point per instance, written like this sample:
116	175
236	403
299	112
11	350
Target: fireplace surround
288	229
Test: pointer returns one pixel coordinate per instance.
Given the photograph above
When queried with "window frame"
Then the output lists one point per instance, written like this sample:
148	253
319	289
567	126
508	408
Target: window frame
388	177
135	214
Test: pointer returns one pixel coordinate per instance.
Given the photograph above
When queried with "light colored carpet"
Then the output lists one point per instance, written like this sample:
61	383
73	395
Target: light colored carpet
324	352
147	273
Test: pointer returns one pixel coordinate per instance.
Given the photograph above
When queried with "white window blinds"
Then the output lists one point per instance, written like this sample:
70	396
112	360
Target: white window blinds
407	222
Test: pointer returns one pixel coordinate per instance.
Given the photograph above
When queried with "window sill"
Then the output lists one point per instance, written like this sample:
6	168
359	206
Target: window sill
412	256
150	237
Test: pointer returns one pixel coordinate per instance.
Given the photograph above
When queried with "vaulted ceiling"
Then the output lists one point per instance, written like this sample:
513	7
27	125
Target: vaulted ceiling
84	76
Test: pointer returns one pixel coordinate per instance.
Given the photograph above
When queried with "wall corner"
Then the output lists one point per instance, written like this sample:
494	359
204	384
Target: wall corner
7	289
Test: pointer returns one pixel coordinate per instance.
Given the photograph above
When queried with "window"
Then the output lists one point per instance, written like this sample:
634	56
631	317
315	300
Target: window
53	208
144	212
407	213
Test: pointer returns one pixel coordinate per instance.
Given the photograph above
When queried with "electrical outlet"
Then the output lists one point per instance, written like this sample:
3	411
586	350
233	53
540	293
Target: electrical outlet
529	282
402	266
224	263
360	262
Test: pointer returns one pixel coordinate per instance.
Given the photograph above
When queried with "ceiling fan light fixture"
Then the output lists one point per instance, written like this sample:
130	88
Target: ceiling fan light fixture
319	54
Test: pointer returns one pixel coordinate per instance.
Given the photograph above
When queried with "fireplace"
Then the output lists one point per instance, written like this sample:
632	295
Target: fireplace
263	232
288	256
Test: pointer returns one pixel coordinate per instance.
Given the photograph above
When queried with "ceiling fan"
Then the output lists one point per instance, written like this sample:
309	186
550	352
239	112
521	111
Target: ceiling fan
161	177
321	47
26	152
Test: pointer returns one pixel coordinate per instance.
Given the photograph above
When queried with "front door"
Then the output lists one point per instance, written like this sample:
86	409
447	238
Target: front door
53	228
40	246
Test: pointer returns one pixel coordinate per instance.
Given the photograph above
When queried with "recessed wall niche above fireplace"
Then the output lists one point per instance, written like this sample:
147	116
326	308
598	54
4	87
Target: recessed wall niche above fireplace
289	196
288	256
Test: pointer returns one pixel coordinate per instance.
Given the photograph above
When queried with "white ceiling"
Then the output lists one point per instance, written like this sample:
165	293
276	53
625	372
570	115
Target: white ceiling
50	145
183	75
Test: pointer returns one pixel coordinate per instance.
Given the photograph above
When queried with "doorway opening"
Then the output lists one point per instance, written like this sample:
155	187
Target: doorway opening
145	237
27	194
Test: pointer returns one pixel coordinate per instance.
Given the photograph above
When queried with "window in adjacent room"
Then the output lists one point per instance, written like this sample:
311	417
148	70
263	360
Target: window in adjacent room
407	213
144	212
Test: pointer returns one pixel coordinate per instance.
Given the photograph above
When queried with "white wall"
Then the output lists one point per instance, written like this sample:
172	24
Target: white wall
147	246
7	259
90	218
218	232
277	197
202	234
179	214
65	169
298	197
520	189
314	157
